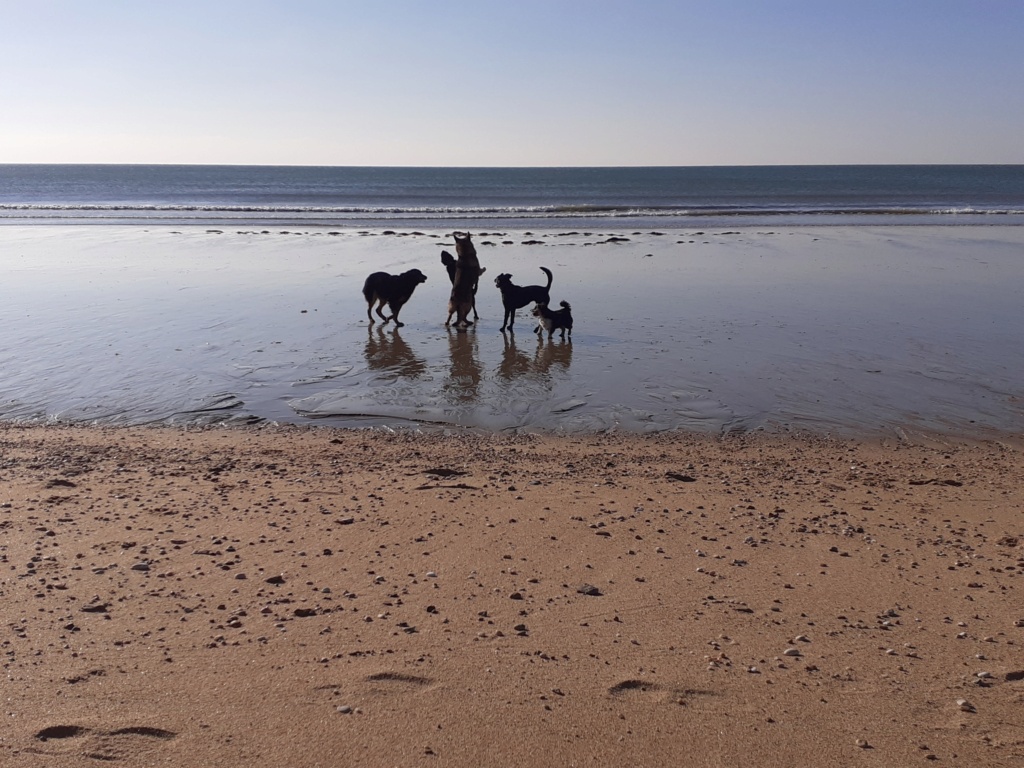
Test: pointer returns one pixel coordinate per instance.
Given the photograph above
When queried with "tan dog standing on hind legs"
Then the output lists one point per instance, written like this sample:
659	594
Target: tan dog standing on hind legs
451	265
467	274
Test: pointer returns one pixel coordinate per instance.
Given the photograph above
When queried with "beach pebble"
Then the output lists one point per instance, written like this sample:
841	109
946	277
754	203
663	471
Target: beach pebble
141	566
862	743
345	709
791	652
965	705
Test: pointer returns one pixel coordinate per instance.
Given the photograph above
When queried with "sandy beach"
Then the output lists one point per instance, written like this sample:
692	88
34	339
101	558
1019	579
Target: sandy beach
763	509
296	596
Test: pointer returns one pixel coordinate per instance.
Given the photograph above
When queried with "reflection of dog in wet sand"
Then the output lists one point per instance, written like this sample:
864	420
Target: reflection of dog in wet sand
551	321
382	288
515	297
451	265
517	364
465	375
388	352
467	274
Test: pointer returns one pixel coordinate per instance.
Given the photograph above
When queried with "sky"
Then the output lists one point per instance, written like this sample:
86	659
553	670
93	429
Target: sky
499	83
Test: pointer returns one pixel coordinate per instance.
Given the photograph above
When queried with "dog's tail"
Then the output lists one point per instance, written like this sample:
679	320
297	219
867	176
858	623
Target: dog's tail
547	272
565	305
368	291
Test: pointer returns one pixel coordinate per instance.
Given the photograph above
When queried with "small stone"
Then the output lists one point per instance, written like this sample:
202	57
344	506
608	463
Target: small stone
862	743
141	566
965	705
345	709
791	652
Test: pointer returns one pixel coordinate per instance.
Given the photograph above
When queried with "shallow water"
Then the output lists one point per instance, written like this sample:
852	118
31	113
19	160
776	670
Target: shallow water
851	329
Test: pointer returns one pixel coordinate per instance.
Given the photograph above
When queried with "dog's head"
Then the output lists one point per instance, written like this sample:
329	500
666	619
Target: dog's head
503	280
537	309
464	245
416	276
447	259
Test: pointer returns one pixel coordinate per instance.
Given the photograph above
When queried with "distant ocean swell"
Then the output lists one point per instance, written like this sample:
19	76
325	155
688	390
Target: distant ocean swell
130	210
534	197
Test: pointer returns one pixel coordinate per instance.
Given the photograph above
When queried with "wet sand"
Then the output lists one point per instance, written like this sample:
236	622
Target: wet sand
829	329
293	596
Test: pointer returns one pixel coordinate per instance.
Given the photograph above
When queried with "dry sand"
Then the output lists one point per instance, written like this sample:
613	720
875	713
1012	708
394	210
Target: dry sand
285	596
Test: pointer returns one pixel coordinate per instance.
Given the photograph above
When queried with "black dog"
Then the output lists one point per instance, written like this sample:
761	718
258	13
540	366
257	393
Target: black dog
393	290
515	297
451	265
552	321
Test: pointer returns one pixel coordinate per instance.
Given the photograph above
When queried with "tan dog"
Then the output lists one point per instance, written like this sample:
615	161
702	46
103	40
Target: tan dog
451	265
467	275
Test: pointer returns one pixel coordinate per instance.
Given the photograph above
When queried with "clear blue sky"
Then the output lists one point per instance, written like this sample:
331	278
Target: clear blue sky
531	82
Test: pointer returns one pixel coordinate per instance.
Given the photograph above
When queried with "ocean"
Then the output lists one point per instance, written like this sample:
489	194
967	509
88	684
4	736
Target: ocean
539	198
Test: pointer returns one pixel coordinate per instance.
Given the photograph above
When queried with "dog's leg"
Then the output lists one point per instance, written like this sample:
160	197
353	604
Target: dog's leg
380	306
395	309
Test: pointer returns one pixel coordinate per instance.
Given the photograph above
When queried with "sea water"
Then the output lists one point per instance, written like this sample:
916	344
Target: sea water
514	197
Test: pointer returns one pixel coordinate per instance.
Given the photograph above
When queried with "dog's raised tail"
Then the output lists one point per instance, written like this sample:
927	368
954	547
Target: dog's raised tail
565	305
547	272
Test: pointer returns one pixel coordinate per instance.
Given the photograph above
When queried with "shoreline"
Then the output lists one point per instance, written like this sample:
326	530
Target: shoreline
295	595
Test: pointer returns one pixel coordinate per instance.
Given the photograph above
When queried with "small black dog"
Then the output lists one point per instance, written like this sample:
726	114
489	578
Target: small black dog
552	321
394	290
515	297
451	265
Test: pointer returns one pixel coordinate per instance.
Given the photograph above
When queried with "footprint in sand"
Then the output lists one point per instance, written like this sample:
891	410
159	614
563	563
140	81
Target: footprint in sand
96	743
645	688
397	677
380	684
